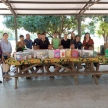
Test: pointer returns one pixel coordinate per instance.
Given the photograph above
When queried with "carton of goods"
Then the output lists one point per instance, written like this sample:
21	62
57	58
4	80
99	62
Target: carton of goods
51	53
62	53
57	53
68	52
87	53
75	53
41	54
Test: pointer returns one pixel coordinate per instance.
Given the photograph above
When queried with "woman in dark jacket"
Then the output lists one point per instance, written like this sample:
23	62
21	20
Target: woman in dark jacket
77	43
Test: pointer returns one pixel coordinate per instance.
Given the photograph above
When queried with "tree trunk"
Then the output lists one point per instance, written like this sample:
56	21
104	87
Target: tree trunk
60	32
104	35
104	38
63	23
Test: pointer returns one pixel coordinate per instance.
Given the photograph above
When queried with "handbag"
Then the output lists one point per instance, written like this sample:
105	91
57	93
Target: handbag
6	67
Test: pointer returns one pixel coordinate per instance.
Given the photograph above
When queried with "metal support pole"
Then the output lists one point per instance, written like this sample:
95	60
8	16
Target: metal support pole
15	24
79	26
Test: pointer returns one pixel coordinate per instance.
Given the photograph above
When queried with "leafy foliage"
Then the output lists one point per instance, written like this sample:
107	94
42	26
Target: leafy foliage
1	33
9	22
58	23
103	29
90	27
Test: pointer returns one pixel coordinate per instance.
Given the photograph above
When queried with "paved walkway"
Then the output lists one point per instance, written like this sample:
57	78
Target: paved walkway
61	92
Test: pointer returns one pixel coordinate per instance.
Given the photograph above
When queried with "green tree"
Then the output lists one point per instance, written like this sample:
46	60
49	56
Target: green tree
40	24
10	33
9	22
90	26
1	33
58	23
103	29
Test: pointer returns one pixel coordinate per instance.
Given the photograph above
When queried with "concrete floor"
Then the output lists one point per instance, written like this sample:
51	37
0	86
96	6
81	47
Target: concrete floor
61	92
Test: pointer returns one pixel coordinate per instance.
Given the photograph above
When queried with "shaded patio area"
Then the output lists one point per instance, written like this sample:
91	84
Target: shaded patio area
61	92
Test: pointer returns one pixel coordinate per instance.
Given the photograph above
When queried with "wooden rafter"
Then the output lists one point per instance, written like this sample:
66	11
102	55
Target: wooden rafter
84	7
61	14
9	6
87	6
48	9
44	2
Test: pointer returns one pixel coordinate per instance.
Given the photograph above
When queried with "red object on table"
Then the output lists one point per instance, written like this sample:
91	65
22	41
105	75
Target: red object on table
74	54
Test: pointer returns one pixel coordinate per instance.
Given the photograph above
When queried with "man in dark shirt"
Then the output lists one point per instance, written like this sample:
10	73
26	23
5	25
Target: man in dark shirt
65	42
36	41
43	43
78	44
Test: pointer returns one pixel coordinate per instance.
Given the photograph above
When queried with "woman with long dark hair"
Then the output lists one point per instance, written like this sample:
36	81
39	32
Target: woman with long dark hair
72	38
78	44
87	41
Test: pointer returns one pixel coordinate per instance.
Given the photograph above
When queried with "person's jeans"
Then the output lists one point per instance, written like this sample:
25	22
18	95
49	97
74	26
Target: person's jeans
3	73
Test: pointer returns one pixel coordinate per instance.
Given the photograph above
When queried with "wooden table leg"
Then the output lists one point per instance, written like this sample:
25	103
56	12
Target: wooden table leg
96	80
75	76
17	69
20	69
16	78
70	64
73	68
16	82
95	77
86	64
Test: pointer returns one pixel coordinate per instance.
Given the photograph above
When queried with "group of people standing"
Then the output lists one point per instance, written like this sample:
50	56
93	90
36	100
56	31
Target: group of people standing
42	42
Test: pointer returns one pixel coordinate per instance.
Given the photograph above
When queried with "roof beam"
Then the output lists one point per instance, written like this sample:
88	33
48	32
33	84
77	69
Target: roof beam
44	2
9	6
97	14
53	9
42	9
87	7
80	12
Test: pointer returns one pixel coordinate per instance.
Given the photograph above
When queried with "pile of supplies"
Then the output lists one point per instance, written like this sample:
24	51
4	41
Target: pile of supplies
42	54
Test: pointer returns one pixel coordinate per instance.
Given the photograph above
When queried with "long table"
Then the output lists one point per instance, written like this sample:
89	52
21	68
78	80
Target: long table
60	62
